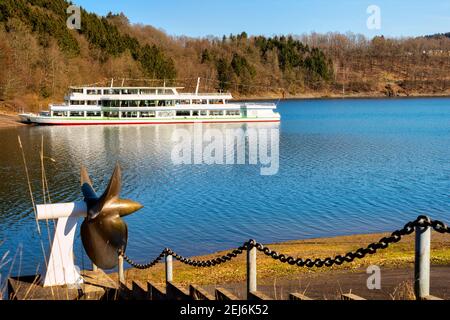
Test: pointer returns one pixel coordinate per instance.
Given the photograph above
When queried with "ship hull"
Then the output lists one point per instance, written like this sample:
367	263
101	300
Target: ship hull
64	122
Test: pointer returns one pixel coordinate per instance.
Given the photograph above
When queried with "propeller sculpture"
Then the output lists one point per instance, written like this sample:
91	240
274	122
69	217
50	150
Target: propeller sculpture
103	231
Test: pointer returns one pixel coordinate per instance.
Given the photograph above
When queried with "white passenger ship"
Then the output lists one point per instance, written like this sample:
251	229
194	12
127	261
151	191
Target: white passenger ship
88	105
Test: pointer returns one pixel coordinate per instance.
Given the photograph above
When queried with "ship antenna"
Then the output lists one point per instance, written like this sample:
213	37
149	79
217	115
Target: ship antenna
198	86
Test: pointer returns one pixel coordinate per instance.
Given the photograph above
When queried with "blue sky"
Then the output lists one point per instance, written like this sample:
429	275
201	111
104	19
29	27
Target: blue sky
269	17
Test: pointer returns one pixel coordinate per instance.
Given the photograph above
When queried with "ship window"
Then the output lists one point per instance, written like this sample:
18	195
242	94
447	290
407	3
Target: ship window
111	91
148	91
148	103
132	103
76	103
76	113
170	103
91	102
196	101
233	113
148	114
185	102
216	113
203	112
110	103
161	103
58	113
129	114
93	114
195	113
111	114
76	90
165	114
124	103
93	91
183	113
167	91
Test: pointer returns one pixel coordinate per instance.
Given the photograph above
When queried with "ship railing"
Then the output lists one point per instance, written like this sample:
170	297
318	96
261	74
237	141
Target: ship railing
205	94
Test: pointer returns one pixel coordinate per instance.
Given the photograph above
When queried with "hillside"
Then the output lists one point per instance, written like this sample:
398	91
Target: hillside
41	57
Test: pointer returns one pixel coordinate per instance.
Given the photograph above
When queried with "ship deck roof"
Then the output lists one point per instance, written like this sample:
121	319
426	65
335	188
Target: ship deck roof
91	87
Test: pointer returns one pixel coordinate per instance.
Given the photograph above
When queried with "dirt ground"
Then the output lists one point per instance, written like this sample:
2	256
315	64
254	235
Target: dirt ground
396	284
9	120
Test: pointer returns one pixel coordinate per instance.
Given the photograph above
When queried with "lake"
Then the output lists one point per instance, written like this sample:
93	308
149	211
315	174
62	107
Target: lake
340	167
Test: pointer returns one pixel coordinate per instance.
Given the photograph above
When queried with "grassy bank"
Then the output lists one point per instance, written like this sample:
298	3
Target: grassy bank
400	255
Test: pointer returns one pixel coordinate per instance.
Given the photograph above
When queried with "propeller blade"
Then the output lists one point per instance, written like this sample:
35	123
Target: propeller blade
114	186
84	176
86	186
102	239
104	232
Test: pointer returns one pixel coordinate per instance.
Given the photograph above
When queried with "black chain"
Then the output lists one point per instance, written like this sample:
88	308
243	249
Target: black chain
195	263
142	266
396	236
212	262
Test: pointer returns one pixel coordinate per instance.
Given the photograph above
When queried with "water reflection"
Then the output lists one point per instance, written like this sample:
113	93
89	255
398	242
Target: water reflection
344	167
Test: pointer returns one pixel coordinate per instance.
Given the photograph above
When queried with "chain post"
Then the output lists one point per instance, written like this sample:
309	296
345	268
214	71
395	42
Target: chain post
169	268
422	262
251	269
121	272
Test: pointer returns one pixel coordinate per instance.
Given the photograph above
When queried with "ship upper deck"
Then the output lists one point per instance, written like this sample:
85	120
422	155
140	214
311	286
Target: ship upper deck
130	93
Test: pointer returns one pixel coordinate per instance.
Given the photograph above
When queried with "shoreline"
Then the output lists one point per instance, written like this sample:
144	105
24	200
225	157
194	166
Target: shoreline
10	119
340	97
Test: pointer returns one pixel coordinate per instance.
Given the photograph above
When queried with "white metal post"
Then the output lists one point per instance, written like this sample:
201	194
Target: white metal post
169	268
422	263
251	270
121	271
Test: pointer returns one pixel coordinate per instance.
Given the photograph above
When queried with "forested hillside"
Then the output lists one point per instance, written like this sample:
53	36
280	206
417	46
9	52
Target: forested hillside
40	57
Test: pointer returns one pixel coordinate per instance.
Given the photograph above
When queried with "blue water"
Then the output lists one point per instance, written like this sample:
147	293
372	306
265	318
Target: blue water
345	167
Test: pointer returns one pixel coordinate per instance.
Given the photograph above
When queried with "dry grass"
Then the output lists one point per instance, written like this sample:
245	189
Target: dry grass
404	291
4	261
396	256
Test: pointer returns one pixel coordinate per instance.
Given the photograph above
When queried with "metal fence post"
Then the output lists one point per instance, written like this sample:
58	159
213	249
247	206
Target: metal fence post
169	269
121	273
422	263
251	270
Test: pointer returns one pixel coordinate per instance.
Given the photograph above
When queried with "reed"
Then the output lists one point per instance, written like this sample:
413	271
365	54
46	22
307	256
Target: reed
404	291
